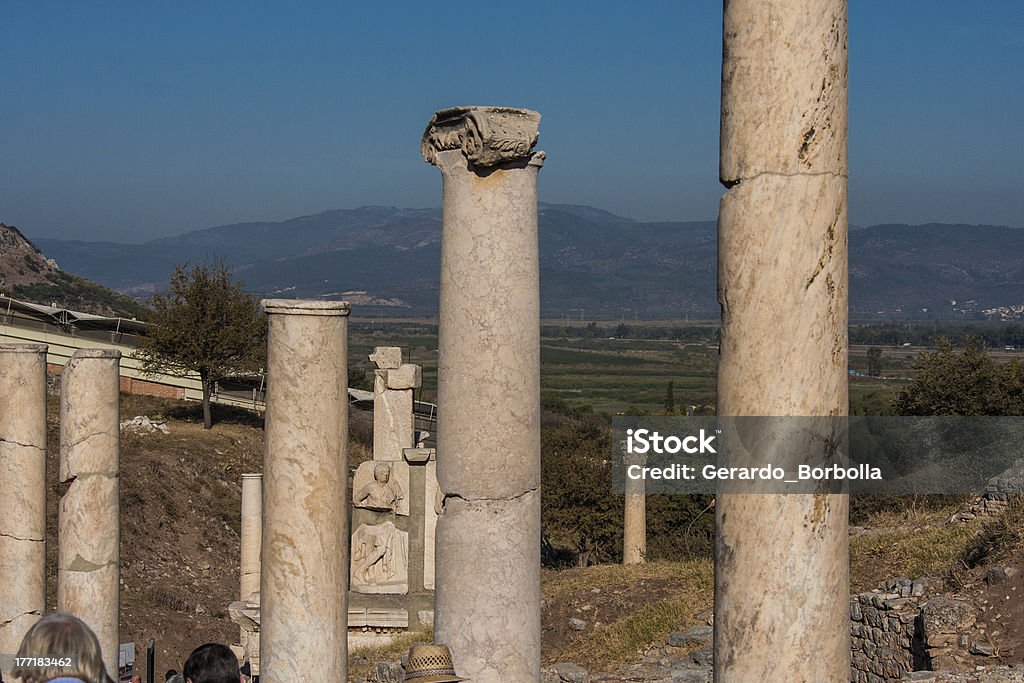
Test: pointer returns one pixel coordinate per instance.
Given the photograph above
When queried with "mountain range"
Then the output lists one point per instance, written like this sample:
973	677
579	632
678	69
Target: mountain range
594	264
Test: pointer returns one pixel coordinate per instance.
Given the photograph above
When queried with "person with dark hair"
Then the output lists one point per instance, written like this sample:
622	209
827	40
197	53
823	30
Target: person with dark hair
170	674
212	663
66	637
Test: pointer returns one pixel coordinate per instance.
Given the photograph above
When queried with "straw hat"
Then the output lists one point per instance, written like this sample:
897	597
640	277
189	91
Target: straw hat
430	664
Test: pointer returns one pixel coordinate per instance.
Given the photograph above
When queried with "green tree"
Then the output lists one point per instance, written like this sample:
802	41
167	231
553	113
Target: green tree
204	324
874	361
670	398
962	383
580	515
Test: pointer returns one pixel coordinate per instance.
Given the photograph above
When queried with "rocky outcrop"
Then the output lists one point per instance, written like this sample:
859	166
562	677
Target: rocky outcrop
21	262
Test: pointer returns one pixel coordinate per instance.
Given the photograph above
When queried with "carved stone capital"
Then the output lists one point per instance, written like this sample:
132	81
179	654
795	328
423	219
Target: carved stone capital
486	135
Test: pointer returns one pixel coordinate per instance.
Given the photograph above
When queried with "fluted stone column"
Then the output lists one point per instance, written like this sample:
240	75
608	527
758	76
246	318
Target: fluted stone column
88	573
251	537
781	562
487	602
634	529
22	490
304	573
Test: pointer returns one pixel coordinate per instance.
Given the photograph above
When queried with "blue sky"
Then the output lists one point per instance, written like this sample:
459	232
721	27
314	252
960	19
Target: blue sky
130	120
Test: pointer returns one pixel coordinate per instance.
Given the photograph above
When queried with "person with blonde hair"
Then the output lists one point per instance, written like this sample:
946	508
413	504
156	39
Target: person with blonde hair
62	649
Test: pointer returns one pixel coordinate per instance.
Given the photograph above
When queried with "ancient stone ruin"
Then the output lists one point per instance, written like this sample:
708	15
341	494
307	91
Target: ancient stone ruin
88	572
304	572
392	507
22	491
394	501
487	606
781	561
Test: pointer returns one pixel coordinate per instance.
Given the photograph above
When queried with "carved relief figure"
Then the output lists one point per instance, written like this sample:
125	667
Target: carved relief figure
380	562
380	494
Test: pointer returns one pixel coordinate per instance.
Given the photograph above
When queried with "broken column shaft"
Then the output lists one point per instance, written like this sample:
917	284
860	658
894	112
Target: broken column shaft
488	453
88	573
304	573
22	490
781	560
250	538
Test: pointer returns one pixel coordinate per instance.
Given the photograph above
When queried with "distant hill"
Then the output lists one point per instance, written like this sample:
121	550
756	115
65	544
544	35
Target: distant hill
593	263
27	274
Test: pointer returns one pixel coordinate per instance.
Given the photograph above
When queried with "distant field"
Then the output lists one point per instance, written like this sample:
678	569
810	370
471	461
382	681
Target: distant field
619	375
611	375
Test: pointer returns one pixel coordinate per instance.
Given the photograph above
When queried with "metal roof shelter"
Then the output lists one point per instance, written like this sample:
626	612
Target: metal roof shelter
25	313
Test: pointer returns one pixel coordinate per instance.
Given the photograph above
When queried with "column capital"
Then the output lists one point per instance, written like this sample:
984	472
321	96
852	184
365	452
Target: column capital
487	136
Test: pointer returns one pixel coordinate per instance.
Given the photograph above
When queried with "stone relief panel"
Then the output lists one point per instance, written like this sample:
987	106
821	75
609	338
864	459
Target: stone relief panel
382	486
380	559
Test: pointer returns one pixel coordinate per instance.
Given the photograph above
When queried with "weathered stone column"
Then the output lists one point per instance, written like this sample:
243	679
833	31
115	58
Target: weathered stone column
88	573
304	573
22	490
251	537
634	528
488	455
781	562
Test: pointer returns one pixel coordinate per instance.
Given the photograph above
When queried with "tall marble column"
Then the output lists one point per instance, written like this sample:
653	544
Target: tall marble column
304	573
88	573
781	560
251	537
22	490
487	602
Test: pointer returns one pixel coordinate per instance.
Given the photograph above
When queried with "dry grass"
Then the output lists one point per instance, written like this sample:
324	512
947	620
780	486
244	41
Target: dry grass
908	545
620	641
998	539
362	661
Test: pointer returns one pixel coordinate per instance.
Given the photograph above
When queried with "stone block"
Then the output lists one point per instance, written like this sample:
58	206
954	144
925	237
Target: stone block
406	376
419	456
701	635
942	615
393	423
387	357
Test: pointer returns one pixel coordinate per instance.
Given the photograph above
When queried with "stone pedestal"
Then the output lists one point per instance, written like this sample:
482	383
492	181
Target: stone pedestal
634	528
246	613
88	575
393	385
22	491
251	538
488	452
781	562
304	573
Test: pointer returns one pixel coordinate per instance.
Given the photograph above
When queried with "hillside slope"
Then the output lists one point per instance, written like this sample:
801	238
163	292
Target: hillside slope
27	274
